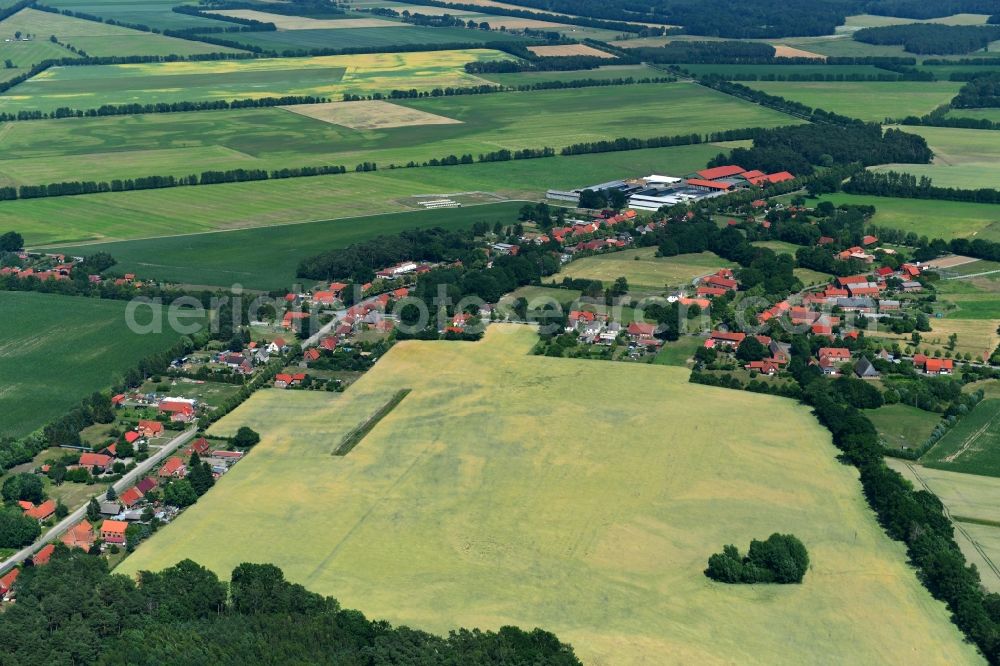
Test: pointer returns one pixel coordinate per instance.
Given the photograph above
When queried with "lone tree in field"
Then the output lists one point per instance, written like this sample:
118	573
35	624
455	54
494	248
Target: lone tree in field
780	559
245	437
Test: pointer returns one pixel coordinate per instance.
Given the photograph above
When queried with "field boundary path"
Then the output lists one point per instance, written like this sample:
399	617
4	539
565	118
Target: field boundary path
76	516
958	526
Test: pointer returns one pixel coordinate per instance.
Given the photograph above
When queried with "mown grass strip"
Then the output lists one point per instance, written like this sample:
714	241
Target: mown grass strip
354	437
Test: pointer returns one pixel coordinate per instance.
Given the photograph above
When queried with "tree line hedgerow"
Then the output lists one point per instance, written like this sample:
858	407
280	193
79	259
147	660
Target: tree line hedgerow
893	184
933	38
74	609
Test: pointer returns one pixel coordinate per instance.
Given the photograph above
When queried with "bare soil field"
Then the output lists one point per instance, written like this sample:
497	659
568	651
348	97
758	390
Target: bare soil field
568	50
369	115
783	51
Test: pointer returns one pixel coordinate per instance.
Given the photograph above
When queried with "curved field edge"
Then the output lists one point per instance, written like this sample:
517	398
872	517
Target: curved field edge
481	500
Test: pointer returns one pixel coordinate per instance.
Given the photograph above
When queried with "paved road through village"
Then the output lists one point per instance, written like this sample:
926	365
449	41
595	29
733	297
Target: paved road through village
76	516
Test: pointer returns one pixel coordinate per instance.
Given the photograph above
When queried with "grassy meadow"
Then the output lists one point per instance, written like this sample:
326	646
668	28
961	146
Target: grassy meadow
643	269
931	218
181	210
324	76
153	13
269	138
601	538
57	350
963	158
973	297
901	426
101	39
267	258
866	100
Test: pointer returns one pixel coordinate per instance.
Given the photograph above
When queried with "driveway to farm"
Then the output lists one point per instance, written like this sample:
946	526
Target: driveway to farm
75	517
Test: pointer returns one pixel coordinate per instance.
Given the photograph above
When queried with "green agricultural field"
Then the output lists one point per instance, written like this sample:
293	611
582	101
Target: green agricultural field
781	247
101	39
602	73
972	505
874	101
963	158
57	350
643	270
854	23
24	54
974	297
270	138
931	218
147	213
809	277
679	351
764	71
605	525
902	426
981	114
973	445
367	38
327	76
268	258
153	13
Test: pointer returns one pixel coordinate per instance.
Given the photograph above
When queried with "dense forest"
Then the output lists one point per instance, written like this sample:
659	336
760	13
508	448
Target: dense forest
73	611
801	147
931	37
983	90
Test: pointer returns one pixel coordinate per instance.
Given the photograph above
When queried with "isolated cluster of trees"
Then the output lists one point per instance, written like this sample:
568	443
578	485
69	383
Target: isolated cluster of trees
782	558
934	38
73	610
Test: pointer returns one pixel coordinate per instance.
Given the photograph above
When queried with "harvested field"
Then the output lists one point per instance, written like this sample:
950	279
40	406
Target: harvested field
282	22
369	115
569	50
951	261
592	521
784	51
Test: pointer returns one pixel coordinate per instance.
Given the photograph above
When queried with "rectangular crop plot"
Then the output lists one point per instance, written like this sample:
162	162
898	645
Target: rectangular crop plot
57	350
973	445
569	50
282	22
369	115
498	493
101	39
152	13
328	76
867	100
